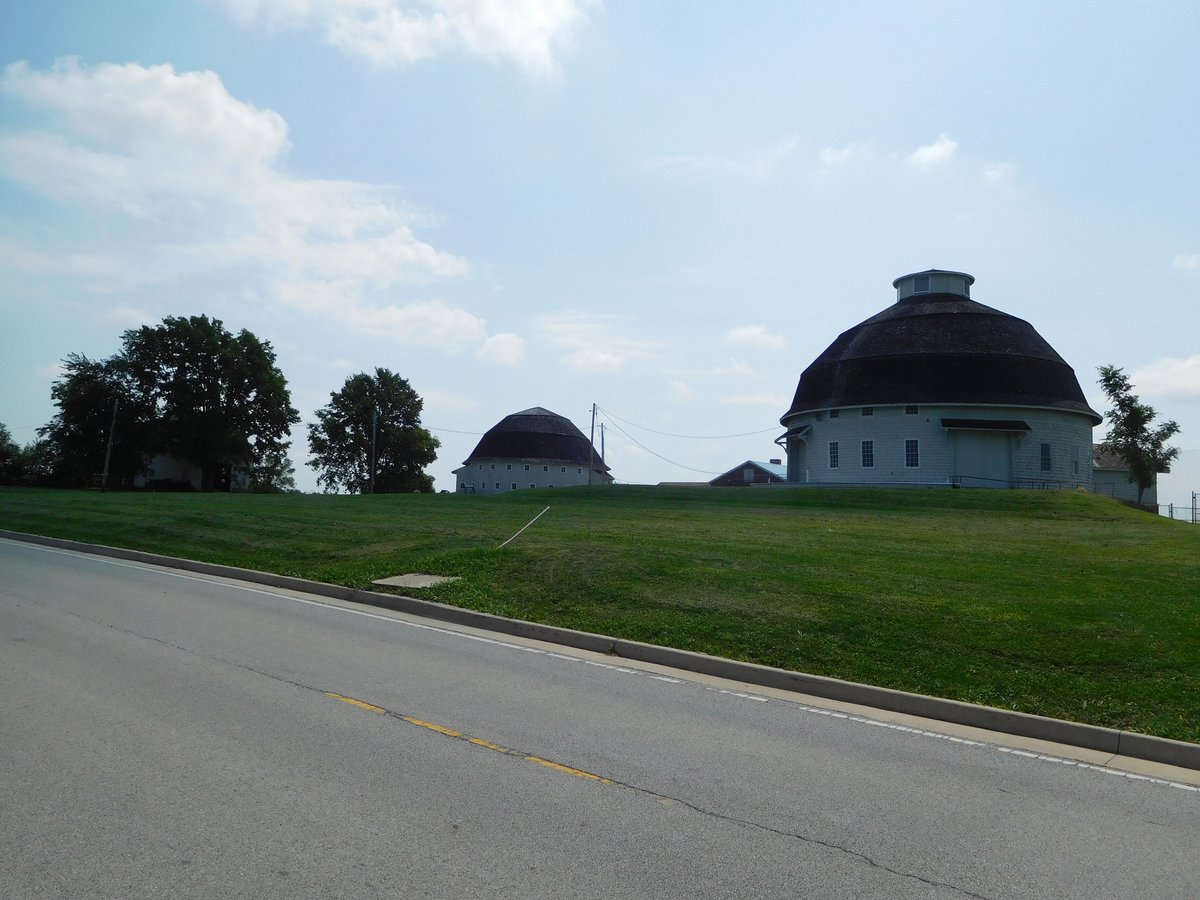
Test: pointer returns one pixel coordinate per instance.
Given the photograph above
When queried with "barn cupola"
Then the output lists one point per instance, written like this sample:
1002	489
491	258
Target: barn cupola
933	281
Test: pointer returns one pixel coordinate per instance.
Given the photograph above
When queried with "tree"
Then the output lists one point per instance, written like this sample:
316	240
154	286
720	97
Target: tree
218	398
274	474
372	420
76	439
186	388
11	462
1130	436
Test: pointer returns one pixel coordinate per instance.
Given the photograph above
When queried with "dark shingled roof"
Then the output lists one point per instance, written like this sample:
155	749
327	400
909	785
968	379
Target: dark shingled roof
537	433
939	348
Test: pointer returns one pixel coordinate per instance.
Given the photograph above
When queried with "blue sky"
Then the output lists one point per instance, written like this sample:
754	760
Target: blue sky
665	209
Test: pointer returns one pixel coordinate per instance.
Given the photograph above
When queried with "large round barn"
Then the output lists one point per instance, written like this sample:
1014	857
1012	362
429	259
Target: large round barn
939	389
534	448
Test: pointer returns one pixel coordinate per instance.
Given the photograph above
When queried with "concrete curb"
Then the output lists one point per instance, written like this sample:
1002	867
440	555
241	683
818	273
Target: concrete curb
1075	734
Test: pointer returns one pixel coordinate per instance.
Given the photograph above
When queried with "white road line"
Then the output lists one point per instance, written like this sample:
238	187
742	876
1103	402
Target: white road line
830	713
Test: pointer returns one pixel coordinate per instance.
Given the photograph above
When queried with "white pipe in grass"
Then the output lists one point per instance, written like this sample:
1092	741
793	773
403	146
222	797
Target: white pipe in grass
527	524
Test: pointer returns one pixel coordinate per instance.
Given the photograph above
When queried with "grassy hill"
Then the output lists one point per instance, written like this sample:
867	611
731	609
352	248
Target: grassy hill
1061	604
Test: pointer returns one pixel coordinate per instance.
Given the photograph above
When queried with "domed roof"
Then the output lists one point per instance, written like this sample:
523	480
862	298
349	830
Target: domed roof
537	433
936	345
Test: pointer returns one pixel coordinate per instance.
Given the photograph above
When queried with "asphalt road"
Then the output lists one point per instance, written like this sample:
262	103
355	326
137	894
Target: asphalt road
167	735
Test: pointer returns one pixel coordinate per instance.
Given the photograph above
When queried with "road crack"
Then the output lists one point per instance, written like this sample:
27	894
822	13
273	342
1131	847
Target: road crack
453	734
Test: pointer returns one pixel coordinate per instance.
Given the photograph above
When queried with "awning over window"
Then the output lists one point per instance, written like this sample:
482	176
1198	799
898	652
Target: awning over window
985	424
799	431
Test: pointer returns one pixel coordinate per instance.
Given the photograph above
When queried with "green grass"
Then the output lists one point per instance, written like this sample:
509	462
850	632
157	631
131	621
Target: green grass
1061	604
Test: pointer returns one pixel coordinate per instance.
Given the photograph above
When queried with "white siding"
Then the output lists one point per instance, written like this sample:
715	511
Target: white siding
1069	435
482	476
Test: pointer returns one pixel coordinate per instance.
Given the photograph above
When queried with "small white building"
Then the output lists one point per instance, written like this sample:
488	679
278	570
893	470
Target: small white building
534	448
1112	479
939	389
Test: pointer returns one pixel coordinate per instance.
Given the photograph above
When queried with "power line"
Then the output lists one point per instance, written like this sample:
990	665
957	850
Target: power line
697	437
659	455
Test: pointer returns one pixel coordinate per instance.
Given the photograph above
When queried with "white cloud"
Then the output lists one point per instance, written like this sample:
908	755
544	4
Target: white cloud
680	391
125	316
531	33
835	157
153	111
998	173
593	342
755	336
934	154
503	349
773	401
446	401
191	177
1186	262
735	368
1176	379
51	372
754	164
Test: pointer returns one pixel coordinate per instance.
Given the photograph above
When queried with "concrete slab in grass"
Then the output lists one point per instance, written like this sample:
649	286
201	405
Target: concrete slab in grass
415	580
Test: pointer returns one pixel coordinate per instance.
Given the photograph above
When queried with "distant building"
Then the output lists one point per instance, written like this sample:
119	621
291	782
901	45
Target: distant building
753	472
939	389
1111	474
534	448
169	473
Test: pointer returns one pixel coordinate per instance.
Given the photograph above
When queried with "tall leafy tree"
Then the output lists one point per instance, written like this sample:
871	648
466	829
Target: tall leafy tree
384	407
274	474
1130	435
218	398
76	441
11	460
186	388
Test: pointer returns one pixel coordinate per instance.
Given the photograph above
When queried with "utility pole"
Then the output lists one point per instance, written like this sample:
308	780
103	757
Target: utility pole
602	450
112	426
374	426
592	446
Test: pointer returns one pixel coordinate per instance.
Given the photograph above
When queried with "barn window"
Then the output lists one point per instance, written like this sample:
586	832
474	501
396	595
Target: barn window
514	486
868	410
526	467
833	454
868	454
833	413
1046	457
921	284
912	454
497	485
563	470
508	466
911	410
545	468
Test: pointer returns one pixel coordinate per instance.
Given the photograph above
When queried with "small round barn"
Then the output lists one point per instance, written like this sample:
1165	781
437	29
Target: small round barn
939	389
534	448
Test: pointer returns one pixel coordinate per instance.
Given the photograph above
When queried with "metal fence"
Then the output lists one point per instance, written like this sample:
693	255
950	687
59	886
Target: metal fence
1181	512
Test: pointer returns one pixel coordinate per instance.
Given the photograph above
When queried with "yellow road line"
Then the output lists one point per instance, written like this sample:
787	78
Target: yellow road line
479	742
440	729
359	703
559	767
482	743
